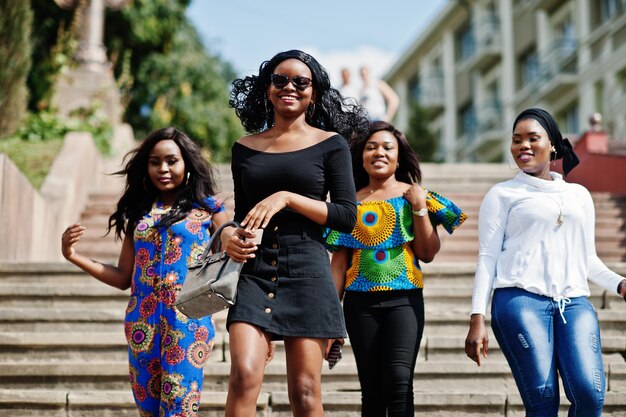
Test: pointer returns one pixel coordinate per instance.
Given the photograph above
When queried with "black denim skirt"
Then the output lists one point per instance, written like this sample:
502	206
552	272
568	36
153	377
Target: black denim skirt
287	290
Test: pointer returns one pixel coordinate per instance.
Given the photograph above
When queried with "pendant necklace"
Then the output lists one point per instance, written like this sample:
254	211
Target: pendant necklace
561	218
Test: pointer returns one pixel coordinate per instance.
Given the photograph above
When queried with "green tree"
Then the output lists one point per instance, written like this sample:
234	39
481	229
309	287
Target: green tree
15	23
186	88
419	135
175	80
54	42
165	74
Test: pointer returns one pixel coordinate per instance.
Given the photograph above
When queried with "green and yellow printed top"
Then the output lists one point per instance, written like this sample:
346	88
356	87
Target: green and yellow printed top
382	256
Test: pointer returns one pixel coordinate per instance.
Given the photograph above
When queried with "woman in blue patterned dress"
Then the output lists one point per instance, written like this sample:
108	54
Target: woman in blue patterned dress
377	267
166	215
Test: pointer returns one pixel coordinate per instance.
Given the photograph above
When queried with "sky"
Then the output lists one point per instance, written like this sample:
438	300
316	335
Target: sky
338	33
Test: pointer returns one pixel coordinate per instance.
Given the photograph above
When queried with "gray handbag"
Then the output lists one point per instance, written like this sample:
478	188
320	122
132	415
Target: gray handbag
211	282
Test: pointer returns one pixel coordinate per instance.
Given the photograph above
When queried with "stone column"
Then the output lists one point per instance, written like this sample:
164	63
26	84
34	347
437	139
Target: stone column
91	82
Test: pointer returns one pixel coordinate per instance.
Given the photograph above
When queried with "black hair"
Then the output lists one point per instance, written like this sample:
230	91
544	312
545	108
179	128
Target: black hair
408	161
249	99
139	193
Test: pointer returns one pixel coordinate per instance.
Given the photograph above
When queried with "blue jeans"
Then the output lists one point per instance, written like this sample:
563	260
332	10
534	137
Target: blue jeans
537	342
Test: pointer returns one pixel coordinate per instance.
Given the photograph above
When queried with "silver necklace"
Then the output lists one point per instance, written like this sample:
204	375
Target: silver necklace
561	218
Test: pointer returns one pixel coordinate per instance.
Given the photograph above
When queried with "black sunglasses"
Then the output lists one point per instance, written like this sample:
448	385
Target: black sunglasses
281	81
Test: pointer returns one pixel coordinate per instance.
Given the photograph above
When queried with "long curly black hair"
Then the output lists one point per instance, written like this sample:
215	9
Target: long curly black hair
331	112
408	161
139	193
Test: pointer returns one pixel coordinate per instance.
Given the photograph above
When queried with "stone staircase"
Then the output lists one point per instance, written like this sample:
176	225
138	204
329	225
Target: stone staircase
63	353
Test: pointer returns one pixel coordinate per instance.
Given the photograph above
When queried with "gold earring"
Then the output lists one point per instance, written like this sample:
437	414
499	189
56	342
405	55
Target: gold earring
553	153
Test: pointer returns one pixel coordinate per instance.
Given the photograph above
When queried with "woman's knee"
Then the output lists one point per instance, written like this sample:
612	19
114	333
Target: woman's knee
305	393
245	375
587	399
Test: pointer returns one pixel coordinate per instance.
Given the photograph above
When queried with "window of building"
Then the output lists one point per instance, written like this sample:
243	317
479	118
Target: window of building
605	10
414	87
598	96
608	9
562	53
467	122
490	111
621	80
529	68
568	120
466	44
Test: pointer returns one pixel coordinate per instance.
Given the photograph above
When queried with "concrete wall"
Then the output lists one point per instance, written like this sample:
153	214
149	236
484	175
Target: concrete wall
31	222
24	220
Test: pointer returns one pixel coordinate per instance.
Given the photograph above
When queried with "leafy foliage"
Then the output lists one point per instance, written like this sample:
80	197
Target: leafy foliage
419	134
175	81
193	98
54	43
15	21
46	126
164	73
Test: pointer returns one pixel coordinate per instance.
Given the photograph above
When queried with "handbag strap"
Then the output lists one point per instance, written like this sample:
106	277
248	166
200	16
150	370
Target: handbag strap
216	238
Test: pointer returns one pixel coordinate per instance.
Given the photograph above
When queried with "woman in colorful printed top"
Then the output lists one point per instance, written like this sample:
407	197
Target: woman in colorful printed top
166	214
377	265
537	250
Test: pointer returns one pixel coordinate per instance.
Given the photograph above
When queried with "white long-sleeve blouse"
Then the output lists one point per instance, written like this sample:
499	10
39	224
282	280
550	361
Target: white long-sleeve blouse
523	244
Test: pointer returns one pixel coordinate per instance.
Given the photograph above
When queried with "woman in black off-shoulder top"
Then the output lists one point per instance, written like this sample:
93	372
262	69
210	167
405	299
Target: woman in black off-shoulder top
296	156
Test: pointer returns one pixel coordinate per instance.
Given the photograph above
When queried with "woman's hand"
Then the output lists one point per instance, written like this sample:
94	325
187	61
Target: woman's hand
477	338
416	195
69	238
239	243
261	214
329	344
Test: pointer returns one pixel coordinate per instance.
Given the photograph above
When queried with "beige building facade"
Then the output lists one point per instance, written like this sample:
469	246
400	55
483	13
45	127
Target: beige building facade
481	62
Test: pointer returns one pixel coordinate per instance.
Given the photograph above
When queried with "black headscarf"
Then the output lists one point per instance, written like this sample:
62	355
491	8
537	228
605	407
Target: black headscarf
562	145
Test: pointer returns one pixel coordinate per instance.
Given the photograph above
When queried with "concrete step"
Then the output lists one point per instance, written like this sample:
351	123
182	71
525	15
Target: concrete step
99	403
612	322
97	296
433	376
82	347
443	348
79	347
109	403
50	320
430	377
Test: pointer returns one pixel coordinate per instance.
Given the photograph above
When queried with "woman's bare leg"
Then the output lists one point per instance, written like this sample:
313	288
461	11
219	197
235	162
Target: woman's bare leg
304	375
249	348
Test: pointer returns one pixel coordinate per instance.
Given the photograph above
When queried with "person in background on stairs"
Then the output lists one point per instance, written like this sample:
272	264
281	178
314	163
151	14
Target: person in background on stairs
376	266
296	154
165	216
537	251
378	98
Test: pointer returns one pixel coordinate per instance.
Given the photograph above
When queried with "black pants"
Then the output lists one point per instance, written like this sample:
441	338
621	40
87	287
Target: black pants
385	330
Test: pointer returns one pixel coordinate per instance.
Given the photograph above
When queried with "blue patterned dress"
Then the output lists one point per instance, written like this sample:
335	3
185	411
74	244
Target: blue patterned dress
167	350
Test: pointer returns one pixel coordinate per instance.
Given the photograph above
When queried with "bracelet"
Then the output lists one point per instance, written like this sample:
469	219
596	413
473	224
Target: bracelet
421	212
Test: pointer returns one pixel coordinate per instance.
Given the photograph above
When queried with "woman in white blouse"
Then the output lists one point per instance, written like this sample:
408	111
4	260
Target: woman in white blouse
537	251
